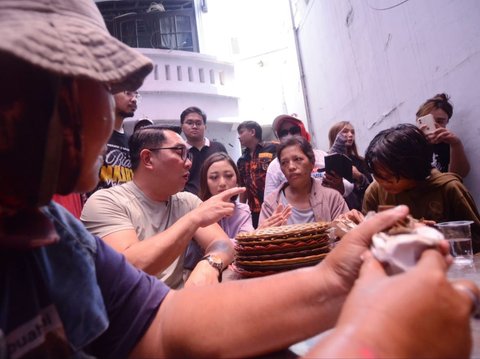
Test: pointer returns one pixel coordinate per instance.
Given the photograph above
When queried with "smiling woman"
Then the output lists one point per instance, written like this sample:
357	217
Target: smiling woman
308	199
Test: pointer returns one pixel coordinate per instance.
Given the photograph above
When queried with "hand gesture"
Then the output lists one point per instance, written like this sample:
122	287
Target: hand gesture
339	143
278	218
216	207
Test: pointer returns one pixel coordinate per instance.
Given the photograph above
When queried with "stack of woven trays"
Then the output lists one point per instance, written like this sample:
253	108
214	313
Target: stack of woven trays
276	249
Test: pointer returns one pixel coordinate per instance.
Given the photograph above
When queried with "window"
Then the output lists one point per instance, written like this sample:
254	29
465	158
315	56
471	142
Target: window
136	27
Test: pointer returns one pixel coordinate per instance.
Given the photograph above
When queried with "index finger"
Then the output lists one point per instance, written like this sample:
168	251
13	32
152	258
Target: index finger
229	193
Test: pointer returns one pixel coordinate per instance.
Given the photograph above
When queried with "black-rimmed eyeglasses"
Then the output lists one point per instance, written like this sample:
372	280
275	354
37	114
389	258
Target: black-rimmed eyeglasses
181	150
294	130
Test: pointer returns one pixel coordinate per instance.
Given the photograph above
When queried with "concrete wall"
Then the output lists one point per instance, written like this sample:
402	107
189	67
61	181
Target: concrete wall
374	62
256	35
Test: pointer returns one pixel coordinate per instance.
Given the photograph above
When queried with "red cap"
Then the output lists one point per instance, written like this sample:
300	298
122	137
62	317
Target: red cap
279	120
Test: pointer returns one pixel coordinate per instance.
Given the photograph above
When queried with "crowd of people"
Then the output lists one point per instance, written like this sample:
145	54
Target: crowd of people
115	285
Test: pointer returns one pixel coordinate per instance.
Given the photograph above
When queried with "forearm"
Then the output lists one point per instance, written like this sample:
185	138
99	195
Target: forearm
156	253
222	248
214	240
250	316
458	160
257	316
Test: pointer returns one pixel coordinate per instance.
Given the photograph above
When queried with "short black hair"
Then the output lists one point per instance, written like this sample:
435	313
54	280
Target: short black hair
403	151
147	137
252	125
192	109
142	123
300	141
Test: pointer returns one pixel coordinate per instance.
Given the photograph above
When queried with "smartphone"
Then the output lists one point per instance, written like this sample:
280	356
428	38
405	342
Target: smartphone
340	164
427	122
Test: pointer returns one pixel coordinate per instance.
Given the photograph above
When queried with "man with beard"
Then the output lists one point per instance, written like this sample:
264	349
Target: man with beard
117	167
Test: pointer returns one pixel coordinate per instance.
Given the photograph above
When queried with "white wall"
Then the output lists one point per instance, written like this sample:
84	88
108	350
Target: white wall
374	66
256	35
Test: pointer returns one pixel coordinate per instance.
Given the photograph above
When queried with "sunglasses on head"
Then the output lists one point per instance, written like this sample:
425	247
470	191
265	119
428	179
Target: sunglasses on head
294	130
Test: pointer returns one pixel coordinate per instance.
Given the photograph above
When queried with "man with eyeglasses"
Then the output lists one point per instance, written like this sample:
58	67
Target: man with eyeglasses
116	168
284	126
194	122
151	221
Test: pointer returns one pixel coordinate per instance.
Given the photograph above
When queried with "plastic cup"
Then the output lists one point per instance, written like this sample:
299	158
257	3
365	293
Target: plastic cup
458	234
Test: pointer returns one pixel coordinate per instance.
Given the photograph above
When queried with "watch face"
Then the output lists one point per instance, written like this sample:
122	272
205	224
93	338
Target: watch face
216	260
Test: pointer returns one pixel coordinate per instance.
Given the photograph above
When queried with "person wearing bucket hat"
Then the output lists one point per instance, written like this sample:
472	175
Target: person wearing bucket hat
289	125
64	293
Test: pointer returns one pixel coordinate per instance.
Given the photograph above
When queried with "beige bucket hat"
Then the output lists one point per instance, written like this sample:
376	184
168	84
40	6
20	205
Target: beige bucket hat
69	37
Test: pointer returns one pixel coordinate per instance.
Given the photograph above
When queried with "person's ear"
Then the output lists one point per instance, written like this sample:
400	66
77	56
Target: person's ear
146	158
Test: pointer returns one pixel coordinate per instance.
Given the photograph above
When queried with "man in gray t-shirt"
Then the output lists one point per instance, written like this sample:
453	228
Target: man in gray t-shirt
151	222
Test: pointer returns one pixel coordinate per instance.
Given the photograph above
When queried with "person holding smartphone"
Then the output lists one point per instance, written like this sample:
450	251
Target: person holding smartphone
448	152
341	137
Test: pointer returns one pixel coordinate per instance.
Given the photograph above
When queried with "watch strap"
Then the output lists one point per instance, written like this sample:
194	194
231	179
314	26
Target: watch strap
218	265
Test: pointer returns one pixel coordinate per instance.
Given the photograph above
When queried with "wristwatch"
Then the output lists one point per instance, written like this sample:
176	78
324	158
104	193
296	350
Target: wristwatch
216	262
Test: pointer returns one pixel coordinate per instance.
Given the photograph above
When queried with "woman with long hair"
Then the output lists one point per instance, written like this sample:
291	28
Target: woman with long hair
218	174
342	140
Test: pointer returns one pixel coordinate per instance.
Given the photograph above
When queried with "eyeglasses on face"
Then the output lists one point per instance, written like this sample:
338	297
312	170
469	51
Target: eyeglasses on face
294	130
181	150
132	94
193	123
